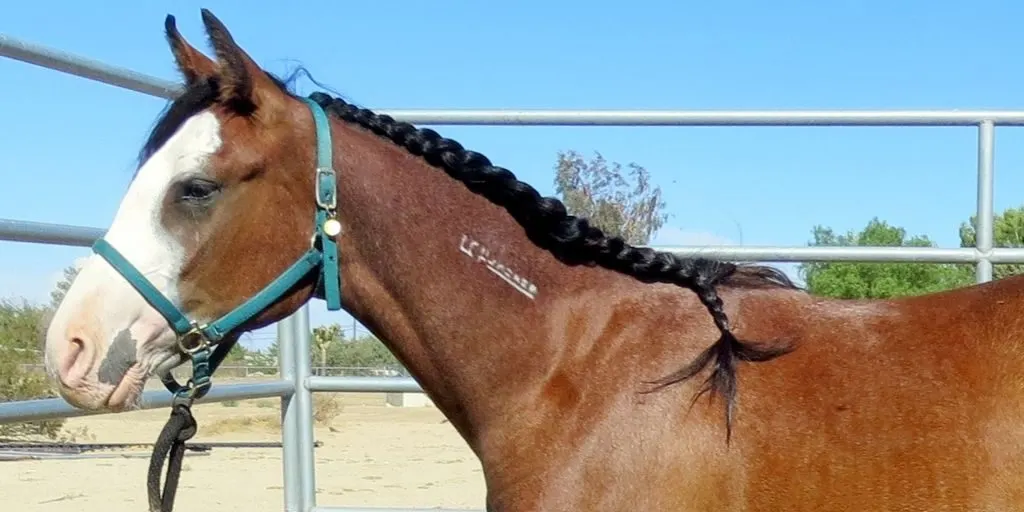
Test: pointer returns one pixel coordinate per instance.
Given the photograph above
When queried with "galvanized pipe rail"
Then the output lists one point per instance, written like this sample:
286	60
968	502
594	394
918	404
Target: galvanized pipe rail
297	384
53	408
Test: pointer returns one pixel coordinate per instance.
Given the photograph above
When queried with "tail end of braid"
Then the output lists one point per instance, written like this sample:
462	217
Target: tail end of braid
722	356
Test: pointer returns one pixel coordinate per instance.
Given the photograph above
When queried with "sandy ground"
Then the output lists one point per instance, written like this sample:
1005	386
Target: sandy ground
372	455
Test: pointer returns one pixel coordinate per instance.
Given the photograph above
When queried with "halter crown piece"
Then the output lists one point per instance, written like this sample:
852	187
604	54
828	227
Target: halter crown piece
197	340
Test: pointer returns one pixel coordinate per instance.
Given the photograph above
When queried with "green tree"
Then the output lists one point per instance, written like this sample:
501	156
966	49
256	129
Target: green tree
238	356
261	358
58	293
363	352
620	203
22	327
325	337
1008	231
855	280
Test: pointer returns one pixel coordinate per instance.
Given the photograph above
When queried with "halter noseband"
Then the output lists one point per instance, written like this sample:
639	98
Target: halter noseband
195	340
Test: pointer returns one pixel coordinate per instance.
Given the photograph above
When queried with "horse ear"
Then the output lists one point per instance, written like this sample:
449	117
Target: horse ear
193	64
243	84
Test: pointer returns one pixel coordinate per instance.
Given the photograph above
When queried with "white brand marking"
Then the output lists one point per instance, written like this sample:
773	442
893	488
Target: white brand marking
478	252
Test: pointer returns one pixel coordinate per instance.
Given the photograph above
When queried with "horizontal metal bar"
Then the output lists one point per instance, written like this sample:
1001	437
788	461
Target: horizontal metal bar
535	117
69	447
851	254
8	456
861	254
384	509
363	384
1006	255
84	67
45	233
51	408
63	234
77	65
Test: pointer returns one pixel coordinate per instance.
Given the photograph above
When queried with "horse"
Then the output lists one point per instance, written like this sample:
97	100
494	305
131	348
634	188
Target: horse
584	373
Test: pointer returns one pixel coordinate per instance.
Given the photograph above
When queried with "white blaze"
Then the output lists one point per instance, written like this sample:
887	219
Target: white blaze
100	303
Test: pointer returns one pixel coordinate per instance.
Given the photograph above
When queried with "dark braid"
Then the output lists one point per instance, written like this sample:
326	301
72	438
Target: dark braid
574	241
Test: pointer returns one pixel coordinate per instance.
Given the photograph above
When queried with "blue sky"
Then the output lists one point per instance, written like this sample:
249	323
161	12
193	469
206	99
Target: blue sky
67	145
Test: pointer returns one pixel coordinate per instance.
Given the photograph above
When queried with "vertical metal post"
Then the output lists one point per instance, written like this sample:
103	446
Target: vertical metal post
290	458
304	407
984	228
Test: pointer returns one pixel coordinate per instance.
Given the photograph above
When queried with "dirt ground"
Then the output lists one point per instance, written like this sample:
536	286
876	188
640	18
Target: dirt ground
372	455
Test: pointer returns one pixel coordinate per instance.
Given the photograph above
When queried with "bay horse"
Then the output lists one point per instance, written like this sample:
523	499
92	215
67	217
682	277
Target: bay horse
584	373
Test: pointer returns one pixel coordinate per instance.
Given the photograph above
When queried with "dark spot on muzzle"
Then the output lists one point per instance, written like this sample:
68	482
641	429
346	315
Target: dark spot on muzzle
120	357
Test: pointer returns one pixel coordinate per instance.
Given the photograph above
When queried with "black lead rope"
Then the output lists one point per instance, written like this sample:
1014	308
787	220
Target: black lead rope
180	427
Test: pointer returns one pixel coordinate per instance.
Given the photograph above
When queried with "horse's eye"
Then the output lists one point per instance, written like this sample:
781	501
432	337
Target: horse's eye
198	190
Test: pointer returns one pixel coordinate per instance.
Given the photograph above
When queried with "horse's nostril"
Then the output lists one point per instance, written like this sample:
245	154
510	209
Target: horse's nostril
75	363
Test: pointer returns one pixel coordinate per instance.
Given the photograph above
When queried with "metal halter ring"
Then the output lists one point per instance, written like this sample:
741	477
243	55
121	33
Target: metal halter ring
196	333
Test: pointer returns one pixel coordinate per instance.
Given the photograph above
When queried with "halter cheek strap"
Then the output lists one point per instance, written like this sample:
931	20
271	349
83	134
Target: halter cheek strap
196	340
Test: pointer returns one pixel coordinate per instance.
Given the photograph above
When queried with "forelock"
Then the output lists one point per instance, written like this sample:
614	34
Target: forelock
195	98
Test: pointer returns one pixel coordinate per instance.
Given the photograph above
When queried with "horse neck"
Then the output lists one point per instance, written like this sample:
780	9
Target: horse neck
448	280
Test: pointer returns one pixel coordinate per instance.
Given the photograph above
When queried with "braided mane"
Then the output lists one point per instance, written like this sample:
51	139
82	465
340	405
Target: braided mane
572	240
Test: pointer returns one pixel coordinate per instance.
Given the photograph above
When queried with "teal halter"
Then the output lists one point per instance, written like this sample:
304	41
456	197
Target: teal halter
196	340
